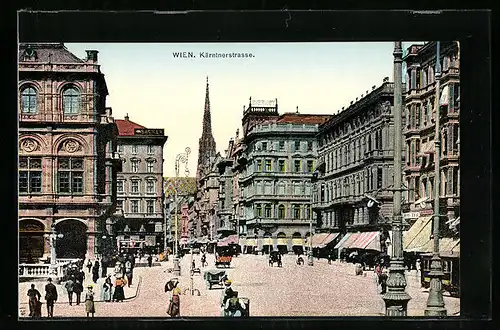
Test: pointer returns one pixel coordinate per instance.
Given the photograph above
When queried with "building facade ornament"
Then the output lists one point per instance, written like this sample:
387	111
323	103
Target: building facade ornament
29	145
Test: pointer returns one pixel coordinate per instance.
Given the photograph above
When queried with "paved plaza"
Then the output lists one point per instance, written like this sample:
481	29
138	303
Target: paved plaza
293	290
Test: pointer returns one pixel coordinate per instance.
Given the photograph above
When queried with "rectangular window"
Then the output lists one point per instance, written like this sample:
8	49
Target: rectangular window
267	211
281	164
296	211
379	178
134	206
150	167
297	165
268	165
150	206
135	187
119	148
264	145
150	187
135	166
297	146
309	146
70	175
30	175
151	150
119	205
259	165
310	165
134	149
281	145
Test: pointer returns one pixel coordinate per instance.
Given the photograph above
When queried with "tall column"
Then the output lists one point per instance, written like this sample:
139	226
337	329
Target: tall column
396	299
91	238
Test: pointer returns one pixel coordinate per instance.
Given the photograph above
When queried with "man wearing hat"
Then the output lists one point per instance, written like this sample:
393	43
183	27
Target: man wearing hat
227	293
50	297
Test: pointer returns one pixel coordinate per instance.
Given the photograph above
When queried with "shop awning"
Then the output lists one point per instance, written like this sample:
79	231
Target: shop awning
281	241
340	244
231	239
446	245
250	242
364	239
297	241
328	240
316	239
410	235
267	241
374	244
348	243
421	239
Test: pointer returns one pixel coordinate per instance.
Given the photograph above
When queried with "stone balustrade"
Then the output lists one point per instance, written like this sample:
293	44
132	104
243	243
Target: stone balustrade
43	270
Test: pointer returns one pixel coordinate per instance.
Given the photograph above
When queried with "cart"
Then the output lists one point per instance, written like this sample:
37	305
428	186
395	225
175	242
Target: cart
214	276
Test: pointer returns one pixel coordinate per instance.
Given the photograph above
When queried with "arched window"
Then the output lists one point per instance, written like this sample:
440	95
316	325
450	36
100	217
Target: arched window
281	211
28	100
268	211
71	101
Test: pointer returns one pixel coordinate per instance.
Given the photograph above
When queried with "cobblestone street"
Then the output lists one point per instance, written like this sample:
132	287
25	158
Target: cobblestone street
293	290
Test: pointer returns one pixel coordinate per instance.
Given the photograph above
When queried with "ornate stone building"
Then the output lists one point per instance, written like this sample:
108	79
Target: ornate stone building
355	170
140	186
419	131
275	173
67	133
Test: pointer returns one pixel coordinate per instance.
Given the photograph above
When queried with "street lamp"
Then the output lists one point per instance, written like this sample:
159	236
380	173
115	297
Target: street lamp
435	301
310	257
182	157
396	299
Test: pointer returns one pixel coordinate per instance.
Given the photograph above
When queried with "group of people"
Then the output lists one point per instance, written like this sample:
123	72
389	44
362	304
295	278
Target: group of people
35	304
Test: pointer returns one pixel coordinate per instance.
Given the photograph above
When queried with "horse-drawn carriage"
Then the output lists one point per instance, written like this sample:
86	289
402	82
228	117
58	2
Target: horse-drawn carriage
275	257
213	277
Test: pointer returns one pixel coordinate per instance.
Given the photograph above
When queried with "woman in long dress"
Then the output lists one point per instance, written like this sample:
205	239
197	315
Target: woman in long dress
107	289
174	306
119	295
89	301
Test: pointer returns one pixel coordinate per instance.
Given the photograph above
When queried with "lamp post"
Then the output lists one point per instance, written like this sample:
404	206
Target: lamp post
310	257
435	301
180	158
53	236
396	299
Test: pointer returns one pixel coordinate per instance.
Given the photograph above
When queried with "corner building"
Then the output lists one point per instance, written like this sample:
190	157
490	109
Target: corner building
140	187
67	158
275	180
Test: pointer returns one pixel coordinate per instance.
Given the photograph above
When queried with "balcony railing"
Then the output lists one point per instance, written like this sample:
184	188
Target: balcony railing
43	270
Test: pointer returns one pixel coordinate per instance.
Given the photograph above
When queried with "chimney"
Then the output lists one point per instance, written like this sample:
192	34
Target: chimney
386	79
373	87
126	116
92	56
108	112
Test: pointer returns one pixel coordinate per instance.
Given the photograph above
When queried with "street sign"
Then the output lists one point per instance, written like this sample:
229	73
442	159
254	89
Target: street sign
411	215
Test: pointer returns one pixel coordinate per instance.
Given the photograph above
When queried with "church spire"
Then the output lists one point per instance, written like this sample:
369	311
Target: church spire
206	143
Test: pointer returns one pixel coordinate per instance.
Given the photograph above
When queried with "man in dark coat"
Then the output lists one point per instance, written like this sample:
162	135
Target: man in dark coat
78	289
150	260
50	297
104	266
69	285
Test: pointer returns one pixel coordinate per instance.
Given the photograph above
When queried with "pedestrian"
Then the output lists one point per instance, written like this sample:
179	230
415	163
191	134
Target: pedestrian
50	297
69	285
78	289
89	301
118	269
129	272
104	266
226	294
150	260
234	306
383	281
34	302
89	265
95	273
107	289
174	306
119	294
80	275
203	259
378	271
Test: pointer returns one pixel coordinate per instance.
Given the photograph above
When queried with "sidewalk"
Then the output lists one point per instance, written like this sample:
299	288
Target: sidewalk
62	295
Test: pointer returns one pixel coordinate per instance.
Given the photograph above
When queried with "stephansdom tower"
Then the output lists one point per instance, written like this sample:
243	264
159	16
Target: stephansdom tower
206	149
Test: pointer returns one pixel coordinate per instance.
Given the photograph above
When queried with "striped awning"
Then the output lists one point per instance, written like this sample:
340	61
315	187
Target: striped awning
347	244
231	239
446	245
421	240
297	241
340	244
282	241
410	235
250	242
364	239
374	244
317	239
328	239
